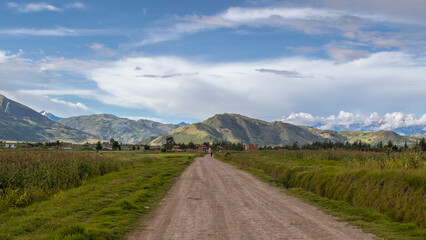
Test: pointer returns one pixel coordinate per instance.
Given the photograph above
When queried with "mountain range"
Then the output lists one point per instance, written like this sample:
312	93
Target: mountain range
107	126
411	130
237	128
20	123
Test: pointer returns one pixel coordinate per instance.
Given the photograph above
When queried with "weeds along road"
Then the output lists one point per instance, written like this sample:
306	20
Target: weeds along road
214	200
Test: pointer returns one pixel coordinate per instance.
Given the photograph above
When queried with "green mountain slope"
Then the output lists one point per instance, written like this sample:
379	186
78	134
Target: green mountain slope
237	128
107	126
372	138
327	134
376	137
20	123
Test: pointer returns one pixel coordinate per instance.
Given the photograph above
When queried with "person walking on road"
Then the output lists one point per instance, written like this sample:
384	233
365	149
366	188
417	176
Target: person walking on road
210	152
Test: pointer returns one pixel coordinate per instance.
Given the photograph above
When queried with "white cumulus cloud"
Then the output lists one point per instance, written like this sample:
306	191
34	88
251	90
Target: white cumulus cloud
235	17
310	20
70	104
172	85
389	121
42	6
175	86
54	32
103	50
76	5
33	7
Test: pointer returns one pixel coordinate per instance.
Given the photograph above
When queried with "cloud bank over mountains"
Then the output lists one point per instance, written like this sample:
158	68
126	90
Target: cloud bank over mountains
189	61
400	122
261	89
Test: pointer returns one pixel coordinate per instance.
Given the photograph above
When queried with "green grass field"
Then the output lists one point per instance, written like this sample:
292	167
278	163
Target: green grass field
382	193
104	206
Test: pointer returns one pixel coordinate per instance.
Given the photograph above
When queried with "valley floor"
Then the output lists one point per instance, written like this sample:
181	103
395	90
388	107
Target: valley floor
214	200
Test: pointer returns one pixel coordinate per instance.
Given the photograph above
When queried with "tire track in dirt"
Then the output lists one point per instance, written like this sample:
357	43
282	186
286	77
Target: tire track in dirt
214	200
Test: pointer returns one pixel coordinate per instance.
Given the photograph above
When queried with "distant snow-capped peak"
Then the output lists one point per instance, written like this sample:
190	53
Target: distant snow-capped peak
402	123
50	116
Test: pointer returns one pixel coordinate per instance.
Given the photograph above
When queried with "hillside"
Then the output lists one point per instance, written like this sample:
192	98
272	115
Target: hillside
372	138
379	124
107	126
20	123
237	128
332	135
376	137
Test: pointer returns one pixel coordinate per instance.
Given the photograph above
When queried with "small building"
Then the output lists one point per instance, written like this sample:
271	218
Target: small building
202	148
6	146
252	147
176	148
106	146
87	147
66	146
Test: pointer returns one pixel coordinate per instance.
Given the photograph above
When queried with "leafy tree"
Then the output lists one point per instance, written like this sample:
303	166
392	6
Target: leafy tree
99	146
182	145
422	144
191	145
395	148
239	146
295	146
115	145
170	142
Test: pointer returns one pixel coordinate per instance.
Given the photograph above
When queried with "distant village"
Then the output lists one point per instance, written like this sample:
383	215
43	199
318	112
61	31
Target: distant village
171	146
113	145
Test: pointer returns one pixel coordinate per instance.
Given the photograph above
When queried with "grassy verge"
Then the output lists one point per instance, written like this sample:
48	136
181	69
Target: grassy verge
369	219
104	207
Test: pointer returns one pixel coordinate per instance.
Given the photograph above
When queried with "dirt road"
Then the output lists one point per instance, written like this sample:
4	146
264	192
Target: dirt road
213	200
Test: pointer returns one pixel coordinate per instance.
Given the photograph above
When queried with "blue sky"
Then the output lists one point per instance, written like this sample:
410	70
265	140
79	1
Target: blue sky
175	61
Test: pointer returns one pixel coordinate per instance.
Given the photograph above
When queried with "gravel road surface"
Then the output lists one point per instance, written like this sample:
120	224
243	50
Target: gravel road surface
214	200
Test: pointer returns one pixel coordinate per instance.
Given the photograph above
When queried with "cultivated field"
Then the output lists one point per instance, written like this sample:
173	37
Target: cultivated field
74	195
362	187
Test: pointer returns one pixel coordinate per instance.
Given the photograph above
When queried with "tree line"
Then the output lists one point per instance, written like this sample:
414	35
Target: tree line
356	145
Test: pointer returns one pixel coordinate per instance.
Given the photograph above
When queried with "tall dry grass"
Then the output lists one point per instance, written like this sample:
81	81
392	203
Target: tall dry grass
391	183
28	176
